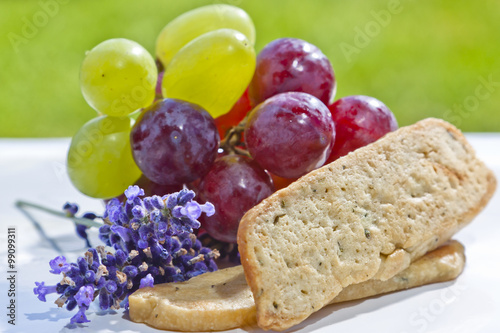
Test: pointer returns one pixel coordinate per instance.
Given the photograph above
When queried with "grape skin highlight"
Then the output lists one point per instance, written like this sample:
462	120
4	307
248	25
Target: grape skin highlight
117	77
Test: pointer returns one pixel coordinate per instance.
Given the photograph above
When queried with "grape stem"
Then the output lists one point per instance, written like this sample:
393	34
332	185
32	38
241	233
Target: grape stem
233	141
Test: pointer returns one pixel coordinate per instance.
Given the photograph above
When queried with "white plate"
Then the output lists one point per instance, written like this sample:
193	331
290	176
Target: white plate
34	170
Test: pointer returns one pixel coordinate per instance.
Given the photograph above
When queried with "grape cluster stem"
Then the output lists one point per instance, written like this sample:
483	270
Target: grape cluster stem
233	141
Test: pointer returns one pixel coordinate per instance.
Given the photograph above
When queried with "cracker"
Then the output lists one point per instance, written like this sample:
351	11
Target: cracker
222	300
366	215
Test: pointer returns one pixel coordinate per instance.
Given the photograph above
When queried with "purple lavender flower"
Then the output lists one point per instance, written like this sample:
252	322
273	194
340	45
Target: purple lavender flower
148	205
153	202
227	251
177	212
82	280
120	257
133	192
85	295
184	196
104	233
123	232
157	202
90	216
79	317
90	276
156	216
171	200
105	300
81	230
70	208
161	230
208	209
111	286
130	271
153	242
113	210
192	210
139	212
146	281
41	290
58	265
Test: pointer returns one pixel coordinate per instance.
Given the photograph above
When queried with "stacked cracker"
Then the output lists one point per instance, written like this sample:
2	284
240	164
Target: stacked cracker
350	229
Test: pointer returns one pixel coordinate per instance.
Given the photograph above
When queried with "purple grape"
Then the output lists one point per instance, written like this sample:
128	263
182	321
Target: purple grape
290	134
290	64
174	142
233	185
359	120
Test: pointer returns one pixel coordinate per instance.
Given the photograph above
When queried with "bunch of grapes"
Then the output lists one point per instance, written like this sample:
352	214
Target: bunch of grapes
211	115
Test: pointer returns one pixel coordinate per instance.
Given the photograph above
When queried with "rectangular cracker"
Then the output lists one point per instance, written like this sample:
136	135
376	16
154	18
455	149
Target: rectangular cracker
222	300
366	215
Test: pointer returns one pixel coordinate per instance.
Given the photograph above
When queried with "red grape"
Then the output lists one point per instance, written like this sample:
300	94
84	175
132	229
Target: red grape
290	64
290	134
234	116
359	120
174	142
233	185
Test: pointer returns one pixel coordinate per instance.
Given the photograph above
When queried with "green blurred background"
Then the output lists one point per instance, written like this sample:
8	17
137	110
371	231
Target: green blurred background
422	58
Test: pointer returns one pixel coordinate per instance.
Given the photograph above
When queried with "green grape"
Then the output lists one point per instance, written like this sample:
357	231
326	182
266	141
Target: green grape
196	22
118	77
213	71
100	162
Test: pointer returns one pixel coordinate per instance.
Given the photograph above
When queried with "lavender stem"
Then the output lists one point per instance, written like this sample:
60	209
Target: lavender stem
86	222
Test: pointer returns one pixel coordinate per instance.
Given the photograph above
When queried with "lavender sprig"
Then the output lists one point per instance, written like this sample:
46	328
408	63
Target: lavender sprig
81	229
153	242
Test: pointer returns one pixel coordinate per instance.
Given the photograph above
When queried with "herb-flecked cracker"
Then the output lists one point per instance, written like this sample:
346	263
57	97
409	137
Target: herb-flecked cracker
222	300
366	215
